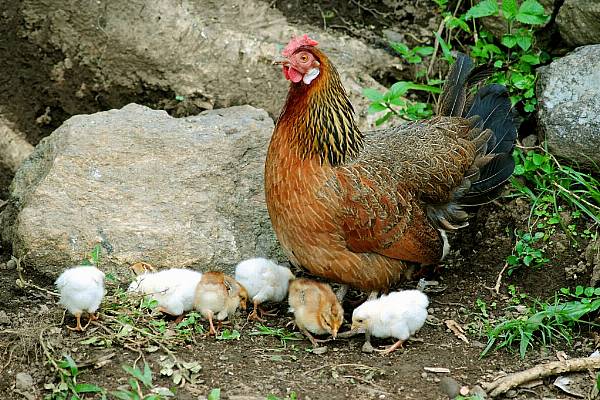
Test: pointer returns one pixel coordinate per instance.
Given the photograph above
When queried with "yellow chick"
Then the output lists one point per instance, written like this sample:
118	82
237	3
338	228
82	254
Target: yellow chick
219	295
316	308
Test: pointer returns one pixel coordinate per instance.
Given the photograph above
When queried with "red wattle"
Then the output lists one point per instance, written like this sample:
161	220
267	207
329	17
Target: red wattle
292	75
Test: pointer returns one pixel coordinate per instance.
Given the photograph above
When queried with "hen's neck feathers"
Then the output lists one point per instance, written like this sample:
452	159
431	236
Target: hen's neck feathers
318	119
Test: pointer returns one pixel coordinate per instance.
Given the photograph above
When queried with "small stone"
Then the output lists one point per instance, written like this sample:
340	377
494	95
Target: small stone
423	375
24	382
319	350
450	386
464	391
223	358
367	348
11	264
478	391
4	318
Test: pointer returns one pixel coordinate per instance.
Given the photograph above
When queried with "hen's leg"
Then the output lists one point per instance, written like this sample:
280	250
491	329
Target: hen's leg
77	327
395	346
92	317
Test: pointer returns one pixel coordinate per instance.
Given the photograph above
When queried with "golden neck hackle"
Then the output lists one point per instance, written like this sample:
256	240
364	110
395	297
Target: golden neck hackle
318	119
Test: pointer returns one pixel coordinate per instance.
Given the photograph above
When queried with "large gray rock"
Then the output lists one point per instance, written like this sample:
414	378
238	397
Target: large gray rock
568	91
207	53
147	187
579	22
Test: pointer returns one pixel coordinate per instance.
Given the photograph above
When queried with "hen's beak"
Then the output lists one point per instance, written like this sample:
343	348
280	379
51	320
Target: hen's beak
280	60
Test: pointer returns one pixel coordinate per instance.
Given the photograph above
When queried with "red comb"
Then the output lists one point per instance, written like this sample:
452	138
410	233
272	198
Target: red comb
296	42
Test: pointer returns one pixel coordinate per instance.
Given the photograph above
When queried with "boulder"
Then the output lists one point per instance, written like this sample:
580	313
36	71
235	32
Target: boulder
194	55
146	186
568	91
579	22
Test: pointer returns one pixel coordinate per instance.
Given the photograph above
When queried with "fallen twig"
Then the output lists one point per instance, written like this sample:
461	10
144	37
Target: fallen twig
504	384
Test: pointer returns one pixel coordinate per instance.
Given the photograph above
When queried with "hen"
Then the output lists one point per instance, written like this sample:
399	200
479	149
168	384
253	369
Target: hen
398	314
264	280
81	289
367	210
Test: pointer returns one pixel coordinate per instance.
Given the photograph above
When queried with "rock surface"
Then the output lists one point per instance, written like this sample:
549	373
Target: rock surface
14	148
579	22
147	187
569	111
207	54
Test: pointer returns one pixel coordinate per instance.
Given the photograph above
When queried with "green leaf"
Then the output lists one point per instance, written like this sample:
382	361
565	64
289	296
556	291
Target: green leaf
400	48
71	365
445	47
509	41
372	94
453	22
530	59
485	8
214	394
122	395
226	334
509	9
531	12
589	291
423	50
578	290
147	376
376	107
525	41
88	388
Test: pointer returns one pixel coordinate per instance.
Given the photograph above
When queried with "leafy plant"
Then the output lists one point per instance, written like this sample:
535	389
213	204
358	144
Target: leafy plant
69	387
214	394
140	381
543	322
525	252
281	333
227	334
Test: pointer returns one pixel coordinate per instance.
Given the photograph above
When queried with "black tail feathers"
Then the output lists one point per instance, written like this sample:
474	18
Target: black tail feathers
489	109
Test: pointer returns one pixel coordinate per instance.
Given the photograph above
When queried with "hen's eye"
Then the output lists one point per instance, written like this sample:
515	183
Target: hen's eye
304	58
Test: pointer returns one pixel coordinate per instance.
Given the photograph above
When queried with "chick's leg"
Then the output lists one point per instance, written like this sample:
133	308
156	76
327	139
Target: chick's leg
254	314
310	337
77	327
394	347
212	330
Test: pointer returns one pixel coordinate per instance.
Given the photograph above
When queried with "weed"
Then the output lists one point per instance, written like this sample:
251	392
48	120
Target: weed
214	394
68	387
227	334
527	252
281	333
543	322
140	381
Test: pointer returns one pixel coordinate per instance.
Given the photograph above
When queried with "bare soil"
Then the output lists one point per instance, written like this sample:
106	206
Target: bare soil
256	366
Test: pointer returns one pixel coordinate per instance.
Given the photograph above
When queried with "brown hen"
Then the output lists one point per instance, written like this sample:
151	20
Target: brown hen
366	209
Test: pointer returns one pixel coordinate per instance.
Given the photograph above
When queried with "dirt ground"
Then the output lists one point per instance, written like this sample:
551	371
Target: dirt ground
256	366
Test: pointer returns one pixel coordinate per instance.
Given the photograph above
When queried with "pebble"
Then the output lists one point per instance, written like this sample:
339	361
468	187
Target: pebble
450	386
24	382
4	318
320	350
11	264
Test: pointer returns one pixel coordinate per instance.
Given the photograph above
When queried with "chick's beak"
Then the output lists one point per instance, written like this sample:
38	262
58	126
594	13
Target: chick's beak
280	60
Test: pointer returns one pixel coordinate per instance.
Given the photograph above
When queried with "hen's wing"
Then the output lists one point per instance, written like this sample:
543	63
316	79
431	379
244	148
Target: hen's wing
386	191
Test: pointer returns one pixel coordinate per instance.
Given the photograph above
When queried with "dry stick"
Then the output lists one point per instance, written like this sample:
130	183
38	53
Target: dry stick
508	382
436	45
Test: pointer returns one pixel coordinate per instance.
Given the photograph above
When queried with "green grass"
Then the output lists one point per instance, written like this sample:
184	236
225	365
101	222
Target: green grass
280	333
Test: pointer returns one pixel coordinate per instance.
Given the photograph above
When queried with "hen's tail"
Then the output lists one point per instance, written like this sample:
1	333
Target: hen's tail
494	130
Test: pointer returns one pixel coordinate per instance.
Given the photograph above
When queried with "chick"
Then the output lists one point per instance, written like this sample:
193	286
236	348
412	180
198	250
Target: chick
398	314
141	267
219	294
81	289
265	281
174	288
316	308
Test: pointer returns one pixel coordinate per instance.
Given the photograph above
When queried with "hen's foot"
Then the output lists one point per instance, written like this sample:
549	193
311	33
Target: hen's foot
394	347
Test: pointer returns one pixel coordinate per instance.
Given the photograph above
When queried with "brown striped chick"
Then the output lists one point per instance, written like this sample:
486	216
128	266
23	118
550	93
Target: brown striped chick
316	308
218	295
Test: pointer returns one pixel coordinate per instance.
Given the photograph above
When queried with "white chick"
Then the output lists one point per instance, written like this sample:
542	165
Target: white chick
398	314
81	289
173	289
264	280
